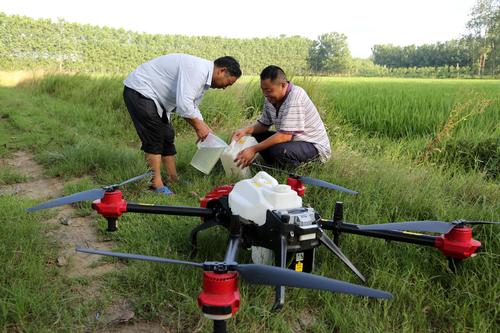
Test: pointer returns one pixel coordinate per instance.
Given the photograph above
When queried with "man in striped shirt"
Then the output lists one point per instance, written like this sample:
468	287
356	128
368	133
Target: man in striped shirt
300	134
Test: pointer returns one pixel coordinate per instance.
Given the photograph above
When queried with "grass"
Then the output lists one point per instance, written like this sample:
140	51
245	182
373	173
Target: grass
10	176
76	126
34	297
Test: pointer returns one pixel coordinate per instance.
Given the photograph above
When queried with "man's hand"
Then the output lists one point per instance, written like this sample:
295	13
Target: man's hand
245	157
202	131
239	134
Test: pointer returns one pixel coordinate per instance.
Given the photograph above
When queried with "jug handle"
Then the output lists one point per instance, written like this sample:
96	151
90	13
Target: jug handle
263	176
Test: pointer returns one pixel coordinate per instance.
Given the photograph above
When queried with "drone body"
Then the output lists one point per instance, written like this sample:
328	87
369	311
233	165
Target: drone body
274	224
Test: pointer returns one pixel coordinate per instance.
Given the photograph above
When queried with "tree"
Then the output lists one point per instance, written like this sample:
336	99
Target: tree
484	25
330	54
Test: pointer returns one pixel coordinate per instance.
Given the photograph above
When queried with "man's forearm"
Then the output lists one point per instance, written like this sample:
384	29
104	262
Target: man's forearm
194	122
257	128
273	140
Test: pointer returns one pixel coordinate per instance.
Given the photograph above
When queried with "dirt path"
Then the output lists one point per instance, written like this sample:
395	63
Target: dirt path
71	230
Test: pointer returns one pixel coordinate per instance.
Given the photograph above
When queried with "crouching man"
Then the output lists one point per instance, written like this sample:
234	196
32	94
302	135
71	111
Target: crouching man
300	134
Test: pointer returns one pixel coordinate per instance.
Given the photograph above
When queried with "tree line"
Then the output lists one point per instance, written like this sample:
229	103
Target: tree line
475	53
478	49
450	53
29	43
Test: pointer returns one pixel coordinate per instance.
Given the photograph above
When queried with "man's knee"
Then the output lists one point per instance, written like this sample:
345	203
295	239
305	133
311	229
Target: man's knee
290	153
276	155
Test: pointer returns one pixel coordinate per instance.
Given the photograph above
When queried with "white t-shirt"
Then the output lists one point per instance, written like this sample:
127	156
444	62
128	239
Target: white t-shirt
176	82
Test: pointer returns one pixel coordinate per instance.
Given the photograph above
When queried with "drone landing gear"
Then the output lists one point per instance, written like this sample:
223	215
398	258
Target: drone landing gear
220	326
338	217
325	240
279	300
112	227
193	237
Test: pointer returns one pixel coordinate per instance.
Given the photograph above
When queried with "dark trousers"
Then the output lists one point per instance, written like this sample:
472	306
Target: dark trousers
287	154
156	133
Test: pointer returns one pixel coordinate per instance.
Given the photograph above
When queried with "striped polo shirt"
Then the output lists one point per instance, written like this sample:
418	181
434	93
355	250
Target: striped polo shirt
299	116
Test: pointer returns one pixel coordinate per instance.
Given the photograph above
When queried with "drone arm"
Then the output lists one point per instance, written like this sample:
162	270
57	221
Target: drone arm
169	210
456	243
398	236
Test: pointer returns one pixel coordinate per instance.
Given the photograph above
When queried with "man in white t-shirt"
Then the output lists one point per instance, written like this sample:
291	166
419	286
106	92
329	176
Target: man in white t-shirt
173	83
300	134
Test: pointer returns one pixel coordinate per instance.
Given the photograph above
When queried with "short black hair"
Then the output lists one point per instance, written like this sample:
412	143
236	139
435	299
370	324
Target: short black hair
273	72
232	65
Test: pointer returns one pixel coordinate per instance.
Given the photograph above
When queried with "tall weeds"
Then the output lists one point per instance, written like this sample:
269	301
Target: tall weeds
471	104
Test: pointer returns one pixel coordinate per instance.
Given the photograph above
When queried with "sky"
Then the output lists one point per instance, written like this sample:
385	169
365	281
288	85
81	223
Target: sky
364	22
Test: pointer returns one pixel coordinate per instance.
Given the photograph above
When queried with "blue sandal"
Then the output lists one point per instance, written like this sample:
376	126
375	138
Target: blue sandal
163	190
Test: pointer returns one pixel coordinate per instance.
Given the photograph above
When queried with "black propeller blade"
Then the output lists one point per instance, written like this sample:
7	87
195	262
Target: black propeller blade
322	183
263	274
89	195
94	194
418	226
311	181
422	226
276	276
474	222
137	257
131	180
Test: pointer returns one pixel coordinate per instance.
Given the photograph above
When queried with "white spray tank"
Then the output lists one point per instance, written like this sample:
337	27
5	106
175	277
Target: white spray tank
251	198
230	153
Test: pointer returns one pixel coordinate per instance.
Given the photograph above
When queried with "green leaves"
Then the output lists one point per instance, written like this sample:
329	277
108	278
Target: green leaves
330	54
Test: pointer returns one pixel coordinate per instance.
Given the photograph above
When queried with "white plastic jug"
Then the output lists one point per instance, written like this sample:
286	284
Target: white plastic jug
230	153
208	153
251	198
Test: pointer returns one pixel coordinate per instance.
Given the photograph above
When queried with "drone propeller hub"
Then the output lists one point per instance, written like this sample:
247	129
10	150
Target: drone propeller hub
296	185
112	204
458	243
220	298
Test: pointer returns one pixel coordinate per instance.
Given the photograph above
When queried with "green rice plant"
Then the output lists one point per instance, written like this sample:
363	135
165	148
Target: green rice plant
252	99
398	108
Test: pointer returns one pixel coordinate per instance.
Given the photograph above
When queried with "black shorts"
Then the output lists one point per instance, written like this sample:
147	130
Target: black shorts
156	133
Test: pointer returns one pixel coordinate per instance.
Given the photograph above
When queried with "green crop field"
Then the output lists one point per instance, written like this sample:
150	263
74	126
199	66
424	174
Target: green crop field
415	149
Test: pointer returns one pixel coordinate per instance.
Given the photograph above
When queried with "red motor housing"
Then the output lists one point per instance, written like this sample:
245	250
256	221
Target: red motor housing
216	193
112	205
297	186
220	298
458	243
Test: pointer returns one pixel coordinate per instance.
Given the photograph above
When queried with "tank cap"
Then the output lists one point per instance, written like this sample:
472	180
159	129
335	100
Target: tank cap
281	188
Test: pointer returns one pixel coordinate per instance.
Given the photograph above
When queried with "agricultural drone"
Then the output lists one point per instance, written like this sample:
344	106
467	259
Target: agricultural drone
269	217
